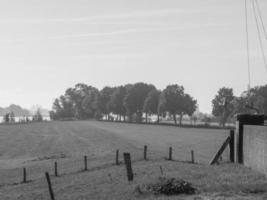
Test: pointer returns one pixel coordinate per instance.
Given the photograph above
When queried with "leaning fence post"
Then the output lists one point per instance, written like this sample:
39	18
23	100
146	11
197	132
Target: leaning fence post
24	175
232	145
85	163
128	163
192	156
221	150
117	157
145	152
56	172
170	153
50	186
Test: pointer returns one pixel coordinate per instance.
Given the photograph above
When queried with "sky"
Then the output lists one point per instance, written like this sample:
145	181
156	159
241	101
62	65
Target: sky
47	46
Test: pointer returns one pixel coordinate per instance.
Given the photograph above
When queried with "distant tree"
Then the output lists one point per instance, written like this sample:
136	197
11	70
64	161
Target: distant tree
67	107
173	100
38	116
52	115
207	119
189	107
162	105
223	104
115	104
253	101
78	102
135	98
177	102
102	100
89	104
257	99
77	95
12	117
194	119
27	119
6	118
63	108
151	103
242	105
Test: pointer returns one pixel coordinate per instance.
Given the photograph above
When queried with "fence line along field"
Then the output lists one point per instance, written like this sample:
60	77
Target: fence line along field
37	146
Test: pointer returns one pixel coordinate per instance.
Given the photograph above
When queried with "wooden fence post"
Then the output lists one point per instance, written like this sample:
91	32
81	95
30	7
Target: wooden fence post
161	170
56	172
85	163
117	157
24	175
145	152
170	153
50	186
128	163
232	145
192	156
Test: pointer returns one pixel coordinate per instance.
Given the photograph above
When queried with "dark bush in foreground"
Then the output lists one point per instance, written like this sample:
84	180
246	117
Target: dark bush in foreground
170	186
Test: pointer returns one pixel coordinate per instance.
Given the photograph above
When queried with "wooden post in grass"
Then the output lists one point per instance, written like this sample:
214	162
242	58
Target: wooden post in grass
24	175
85	163
170	153
192	156
52	196
117	157
232	145
145	152
128	163
161	170
56	172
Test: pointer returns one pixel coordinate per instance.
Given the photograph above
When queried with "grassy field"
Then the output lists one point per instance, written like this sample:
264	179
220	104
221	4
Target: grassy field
36	147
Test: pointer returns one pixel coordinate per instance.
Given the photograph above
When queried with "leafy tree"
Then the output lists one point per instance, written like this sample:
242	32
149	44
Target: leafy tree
12	117
68	109
173	100
162	105
89	104
135	98
76	96
189	107
115	104
78	102
151	103
6	118
103	99
253	101
223	104
38	117
242	105
207	119
194	119
257	98
63	108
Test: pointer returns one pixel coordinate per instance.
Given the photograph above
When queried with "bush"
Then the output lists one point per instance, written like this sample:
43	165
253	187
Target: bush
170	186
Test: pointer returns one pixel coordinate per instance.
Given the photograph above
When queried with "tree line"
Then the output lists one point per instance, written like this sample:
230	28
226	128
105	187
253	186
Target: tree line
130	102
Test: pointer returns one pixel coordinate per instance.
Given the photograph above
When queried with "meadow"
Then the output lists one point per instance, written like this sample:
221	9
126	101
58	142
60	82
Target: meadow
37	146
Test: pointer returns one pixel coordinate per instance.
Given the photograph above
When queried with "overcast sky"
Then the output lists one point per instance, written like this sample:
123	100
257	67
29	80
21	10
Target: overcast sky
47	46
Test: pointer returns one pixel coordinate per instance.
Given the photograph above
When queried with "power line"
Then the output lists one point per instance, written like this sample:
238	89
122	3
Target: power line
259	34
247	41
261	19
